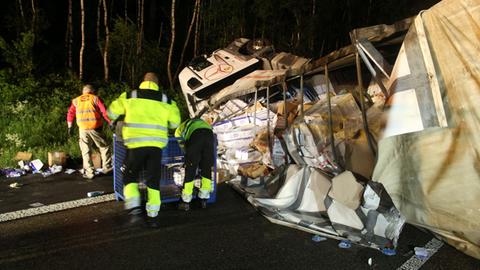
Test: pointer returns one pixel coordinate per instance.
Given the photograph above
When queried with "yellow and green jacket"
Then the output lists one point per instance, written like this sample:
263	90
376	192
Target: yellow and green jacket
186	128
149	113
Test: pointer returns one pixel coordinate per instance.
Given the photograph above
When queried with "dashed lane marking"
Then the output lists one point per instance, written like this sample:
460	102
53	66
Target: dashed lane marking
55	207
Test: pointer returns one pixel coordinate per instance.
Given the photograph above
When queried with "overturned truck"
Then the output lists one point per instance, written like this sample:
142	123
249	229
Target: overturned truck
348	145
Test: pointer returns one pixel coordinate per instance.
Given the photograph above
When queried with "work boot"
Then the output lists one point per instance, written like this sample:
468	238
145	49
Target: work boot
203	203
152	222
183	206
88	176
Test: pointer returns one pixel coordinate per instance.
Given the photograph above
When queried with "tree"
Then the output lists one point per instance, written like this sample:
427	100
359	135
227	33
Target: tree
185	44
82	47
102	4
170	50
19	54
69	36
197	30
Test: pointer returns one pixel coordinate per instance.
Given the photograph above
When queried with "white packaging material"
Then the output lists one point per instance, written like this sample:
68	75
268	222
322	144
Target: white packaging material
245	153
259	119
236	133
197	183
278	154
232	107
69	171
56	169
36	164
179	176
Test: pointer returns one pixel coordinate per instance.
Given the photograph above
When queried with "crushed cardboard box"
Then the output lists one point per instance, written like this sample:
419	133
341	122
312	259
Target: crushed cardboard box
57	158
23	156
253	170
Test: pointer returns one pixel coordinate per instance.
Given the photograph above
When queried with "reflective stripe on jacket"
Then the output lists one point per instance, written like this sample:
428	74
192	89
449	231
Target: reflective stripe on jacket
149	114
86	112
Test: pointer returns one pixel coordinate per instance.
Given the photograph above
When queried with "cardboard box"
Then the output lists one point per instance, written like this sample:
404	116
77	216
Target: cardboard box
253	170
291	107
57	158
223	175
23	156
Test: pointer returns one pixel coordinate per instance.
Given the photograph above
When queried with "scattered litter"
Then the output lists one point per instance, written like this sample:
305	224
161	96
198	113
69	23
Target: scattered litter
24	165
370	261
56	168
36	165
389	251
318	238
421	253
52	170
69	171
37	204
345	244
46	173
178	176
15	185
95	193
13	172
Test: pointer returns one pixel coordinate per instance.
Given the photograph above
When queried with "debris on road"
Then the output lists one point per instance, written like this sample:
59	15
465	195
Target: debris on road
95	193
345	244
389	251
11	173
318	238
70	171
15	185
52	170
421	253
37	204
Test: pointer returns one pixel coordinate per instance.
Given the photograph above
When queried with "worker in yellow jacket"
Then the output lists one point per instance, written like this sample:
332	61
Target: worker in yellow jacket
198	140
149	114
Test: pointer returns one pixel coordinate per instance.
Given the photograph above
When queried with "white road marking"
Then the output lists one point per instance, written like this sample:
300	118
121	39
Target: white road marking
415	263
55	207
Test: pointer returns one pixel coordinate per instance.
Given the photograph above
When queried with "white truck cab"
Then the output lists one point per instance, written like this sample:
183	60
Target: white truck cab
205	76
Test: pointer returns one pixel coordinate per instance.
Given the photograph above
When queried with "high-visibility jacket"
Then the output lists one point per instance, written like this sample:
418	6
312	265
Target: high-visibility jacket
87	109
186	128
149	113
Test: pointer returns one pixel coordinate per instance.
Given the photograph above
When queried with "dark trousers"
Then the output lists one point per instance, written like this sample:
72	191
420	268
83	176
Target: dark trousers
199	154
143	158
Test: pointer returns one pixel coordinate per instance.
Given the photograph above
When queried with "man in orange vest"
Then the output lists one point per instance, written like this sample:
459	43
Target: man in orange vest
88	109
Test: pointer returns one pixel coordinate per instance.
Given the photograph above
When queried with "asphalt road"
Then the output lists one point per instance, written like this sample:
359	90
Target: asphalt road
229	235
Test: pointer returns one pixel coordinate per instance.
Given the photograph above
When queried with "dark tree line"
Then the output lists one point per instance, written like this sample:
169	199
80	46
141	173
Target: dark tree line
118	40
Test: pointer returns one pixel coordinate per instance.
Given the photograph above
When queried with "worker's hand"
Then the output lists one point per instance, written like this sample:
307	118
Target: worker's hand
112	126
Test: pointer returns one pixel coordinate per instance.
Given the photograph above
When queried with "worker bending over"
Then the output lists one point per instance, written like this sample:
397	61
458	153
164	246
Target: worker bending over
198	139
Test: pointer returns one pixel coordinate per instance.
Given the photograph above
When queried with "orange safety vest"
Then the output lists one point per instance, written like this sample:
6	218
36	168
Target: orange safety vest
86	112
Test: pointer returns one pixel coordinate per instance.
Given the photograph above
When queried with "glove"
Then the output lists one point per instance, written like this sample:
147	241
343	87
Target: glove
112	126
70	132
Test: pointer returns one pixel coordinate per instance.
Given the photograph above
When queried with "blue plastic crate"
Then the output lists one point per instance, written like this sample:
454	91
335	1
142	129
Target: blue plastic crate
172	154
